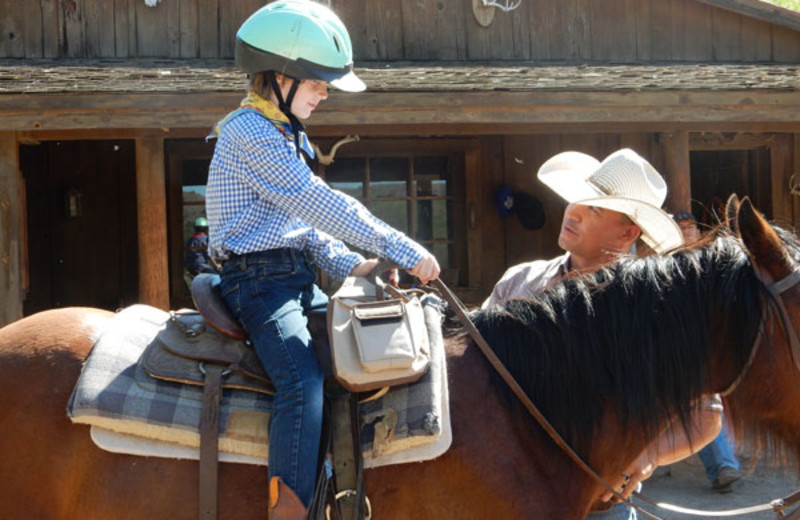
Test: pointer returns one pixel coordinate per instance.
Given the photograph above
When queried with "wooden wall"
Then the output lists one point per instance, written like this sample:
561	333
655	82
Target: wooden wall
575	31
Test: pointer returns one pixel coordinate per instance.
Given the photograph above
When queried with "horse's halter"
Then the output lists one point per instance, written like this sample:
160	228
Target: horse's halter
774	291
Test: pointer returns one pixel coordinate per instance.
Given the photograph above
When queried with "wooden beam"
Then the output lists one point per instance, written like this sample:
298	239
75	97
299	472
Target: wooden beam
782	168
728	140
11	230
151	204
674	154
34	112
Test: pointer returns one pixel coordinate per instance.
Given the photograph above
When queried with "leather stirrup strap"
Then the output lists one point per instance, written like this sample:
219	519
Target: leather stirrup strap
348	465
209	442
458	308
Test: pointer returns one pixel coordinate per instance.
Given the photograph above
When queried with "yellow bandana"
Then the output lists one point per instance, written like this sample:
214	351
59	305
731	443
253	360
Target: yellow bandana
269	110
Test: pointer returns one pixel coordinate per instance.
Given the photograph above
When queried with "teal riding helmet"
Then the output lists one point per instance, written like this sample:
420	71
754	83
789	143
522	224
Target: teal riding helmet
301	39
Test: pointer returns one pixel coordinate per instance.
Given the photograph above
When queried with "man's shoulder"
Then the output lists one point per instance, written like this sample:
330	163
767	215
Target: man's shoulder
534	268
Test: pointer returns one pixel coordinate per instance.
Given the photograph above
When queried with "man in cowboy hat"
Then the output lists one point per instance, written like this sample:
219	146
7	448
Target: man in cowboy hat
611	204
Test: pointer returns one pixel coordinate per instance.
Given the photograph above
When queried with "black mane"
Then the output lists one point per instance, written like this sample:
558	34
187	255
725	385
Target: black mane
637	335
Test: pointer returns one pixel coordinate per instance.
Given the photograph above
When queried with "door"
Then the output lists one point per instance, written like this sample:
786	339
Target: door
81	211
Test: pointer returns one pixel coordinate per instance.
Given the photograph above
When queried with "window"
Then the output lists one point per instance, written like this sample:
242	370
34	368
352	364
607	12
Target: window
420	195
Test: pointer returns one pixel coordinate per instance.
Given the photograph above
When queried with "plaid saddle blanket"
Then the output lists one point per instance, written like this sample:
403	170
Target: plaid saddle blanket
131	412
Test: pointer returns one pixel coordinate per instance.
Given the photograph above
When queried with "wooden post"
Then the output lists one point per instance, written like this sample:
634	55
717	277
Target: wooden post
151	205
11	230
675	169
782	167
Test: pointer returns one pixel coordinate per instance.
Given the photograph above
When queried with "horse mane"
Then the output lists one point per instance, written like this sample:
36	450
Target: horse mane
636	336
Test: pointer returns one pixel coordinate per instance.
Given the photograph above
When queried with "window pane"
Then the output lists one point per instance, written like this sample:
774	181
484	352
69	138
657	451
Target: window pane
442	254
433	220
347	175
431	176
388	177
393	212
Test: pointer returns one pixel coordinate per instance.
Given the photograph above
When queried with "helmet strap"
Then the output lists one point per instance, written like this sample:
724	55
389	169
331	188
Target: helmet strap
286	106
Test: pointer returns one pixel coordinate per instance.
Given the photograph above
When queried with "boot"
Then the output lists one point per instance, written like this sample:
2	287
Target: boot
283	503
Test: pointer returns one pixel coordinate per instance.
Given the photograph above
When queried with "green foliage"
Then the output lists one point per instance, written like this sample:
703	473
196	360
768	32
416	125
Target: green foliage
788	4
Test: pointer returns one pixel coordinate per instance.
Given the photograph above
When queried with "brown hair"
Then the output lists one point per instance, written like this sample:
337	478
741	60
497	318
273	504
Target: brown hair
259	82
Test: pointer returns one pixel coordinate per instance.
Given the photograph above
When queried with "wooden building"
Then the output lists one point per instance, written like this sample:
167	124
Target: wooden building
104	109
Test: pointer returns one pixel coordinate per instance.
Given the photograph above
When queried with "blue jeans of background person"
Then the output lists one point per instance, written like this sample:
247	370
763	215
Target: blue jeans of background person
269	292
718	454
617	512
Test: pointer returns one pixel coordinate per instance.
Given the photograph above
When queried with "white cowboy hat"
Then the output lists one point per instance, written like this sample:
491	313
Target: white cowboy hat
623	182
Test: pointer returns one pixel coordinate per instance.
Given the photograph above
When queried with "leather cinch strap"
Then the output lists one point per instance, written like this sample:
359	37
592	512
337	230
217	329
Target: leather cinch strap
209	442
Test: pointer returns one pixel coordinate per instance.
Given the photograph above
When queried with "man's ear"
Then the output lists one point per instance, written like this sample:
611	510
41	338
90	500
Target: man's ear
631	233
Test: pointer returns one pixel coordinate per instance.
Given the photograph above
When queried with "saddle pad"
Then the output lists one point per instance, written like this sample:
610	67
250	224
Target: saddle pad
410	423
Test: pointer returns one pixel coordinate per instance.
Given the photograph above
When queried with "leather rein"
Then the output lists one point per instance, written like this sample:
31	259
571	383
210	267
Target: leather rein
774	290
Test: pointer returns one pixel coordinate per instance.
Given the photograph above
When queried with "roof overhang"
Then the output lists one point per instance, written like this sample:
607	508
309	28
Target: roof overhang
412	98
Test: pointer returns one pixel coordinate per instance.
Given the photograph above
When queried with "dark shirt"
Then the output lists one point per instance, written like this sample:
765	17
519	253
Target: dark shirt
196	258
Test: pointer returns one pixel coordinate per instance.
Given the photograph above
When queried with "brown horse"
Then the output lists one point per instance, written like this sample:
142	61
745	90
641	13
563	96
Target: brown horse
609	360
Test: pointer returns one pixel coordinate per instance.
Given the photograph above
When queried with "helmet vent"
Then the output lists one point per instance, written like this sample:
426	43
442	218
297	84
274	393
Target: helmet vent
336	42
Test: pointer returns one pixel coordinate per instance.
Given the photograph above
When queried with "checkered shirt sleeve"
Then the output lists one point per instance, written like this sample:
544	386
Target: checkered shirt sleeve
261	196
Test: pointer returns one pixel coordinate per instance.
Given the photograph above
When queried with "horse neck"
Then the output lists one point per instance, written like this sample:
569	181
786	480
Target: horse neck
499	438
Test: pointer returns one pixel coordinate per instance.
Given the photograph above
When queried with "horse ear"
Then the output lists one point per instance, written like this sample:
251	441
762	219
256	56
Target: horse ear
731	210
761	241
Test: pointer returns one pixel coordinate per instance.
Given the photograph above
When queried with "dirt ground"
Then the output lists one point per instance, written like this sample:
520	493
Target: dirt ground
685	484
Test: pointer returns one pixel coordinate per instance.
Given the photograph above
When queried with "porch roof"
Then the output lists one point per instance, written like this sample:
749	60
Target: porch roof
416	98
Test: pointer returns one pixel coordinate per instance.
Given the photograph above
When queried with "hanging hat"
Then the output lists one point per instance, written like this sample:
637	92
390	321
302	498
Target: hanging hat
624	182
529	211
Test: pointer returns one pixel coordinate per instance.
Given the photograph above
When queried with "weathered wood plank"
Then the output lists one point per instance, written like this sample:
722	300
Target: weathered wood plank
12	238
726	36
661	30
208	28
377	33
189	30
613	31
756	41
100	40
697	37
231	17
51	28
12	30
73	15
152	219
785	45
643	31
123	29
152	33
32	14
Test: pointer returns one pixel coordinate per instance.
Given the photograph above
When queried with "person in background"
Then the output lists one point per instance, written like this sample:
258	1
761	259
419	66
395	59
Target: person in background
719	460
272	220
196	259
610	206
688	224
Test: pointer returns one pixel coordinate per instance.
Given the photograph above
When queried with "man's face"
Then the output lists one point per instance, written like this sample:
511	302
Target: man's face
689	230
591	233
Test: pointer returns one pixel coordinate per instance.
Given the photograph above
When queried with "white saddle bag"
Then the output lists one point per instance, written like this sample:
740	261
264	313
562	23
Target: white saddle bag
376	341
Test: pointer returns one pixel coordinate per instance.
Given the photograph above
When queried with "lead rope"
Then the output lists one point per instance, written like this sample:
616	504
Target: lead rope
487	351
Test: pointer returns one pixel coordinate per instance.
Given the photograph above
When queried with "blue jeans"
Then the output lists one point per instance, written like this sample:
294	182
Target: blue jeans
269	292
718	454
617	512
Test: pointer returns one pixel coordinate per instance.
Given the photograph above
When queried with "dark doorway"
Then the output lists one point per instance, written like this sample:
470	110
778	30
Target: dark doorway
82	233
716	174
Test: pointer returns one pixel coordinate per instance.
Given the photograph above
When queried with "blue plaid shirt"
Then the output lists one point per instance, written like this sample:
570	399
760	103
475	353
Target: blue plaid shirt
261	196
